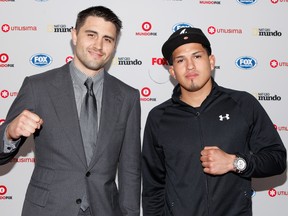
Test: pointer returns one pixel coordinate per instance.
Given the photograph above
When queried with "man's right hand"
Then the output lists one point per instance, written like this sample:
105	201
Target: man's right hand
25	124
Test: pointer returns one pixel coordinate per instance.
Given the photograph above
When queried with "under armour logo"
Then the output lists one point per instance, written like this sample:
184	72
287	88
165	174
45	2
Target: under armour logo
221	117
183	31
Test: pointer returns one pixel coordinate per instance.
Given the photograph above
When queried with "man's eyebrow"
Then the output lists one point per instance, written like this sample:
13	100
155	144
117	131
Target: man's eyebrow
105	36
91	31
194	53
197	52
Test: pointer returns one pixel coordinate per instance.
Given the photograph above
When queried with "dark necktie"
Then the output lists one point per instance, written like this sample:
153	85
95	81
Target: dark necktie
89	127
88	120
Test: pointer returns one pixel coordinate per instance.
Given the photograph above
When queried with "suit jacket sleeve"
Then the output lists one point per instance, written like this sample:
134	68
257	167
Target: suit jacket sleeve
24	100
129	170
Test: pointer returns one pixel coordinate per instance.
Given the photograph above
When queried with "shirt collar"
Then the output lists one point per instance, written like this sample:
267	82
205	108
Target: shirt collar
79	77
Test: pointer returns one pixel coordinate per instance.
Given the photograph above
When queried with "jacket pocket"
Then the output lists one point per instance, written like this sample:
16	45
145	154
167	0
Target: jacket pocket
37	195
170	206
38	189
114	196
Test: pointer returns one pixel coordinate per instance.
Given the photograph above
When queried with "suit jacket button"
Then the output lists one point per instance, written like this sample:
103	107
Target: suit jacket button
88	174
78	201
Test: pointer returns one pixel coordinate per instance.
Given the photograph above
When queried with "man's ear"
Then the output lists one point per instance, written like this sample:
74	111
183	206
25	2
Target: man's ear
171	71
74	36
212	61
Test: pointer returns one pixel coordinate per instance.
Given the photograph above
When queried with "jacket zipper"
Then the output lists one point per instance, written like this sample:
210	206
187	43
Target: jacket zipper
205	176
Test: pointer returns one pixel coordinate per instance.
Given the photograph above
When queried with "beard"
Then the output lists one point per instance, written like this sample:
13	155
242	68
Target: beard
193	87
89	63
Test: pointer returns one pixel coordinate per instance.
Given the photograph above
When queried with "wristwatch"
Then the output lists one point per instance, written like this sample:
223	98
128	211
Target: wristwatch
239	164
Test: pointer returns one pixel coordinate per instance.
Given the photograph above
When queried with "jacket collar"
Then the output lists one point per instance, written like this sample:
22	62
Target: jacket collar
177	93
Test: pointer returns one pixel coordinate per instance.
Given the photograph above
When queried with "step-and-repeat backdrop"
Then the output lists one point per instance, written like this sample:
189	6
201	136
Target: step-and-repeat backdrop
249	39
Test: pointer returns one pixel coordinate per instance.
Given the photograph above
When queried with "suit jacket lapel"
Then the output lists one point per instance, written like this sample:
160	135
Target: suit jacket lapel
62	94
111	101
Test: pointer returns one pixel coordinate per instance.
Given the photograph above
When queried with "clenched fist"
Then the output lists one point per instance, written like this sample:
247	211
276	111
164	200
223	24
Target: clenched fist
215	161
25	124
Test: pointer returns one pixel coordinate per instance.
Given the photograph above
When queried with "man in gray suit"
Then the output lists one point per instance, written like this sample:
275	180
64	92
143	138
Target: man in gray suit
67	180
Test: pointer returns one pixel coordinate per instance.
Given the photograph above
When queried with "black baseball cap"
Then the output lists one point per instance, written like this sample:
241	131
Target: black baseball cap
184	36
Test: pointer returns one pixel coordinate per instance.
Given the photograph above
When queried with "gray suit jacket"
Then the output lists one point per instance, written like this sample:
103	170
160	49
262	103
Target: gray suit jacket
61	174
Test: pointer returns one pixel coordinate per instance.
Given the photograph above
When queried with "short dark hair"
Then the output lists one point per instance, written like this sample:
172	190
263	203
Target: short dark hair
98	11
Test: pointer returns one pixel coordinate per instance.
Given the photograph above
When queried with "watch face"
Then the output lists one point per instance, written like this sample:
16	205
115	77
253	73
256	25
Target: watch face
241	164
